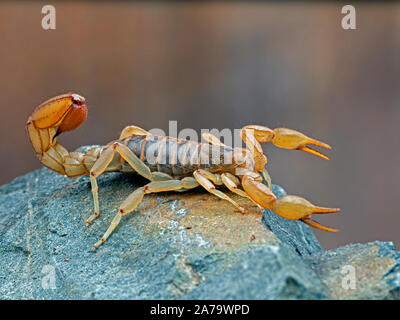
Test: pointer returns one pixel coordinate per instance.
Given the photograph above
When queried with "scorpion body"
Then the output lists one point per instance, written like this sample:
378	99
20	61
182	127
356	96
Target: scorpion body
177	157
170	164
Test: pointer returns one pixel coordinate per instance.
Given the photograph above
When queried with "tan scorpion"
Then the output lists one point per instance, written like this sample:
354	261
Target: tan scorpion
183	168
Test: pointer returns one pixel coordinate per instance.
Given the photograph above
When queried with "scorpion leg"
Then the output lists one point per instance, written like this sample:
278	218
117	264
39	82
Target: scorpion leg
98	168
133	200
212	139
205	182
267	177
131	130
227	179
215	141
160	176
138	165
215	178
252	136
232	183
102	163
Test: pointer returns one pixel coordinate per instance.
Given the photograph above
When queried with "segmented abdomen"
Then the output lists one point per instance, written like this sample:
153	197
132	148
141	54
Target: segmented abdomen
178	157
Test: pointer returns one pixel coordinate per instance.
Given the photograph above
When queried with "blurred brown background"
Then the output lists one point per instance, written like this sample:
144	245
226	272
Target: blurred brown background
217	65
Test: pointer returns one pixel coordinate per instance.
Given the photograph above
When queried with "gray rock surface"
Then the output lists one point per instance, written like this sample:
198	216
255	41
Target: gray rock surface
173	246
375	266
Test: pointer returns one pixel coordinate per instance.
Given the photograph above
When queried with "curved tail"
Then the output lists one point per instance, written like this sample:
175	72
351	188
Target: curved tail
62	113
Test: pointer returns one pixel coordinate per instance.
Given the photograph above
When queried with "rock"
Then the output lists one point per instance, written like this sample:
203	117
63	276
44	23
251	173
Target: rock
375	267
188	245
266	272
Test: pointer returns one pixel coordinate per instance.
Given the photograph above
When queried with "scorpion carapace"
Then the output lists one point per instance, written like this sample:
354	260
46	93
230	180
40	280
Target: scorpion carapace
175	164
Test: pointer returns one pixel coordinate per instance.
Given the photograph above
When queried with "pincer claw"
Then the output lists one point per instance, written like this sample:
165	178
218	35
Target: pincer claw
316	225
292	139
297	208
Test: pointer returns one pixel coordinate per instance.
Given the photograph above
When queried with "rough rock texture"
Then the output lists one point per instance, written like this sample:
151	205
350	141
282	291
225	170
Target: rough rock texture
376	269
187	245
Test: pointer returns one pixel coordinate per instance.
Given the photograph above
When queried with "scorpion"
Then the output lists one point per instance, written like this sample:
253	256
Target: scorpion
182	168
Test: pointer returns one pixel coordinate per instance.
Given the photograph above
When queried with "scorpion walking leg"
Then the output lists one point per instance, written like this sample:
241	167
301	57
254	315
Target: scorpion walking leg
205	182
133	200
102	163
267	177
215	141
232	183
131	130
97	169
212	139
227	179
215	178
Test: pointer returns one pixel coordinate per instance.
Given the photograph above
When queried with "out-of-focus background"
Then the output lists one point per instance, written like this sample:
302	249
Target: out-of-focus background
224	65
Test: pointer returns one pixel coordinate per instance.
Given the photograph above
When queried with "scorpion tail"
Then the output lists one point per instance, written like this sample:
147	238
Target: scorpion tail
54	116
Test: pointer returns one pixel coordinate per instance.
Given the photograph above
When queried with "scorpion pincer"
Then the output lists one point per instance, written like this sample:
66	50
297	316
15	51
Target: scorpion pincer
182	167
